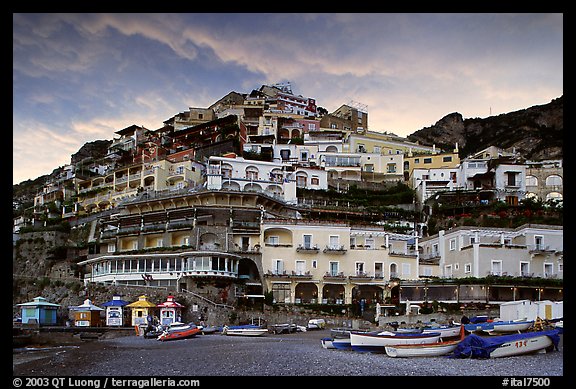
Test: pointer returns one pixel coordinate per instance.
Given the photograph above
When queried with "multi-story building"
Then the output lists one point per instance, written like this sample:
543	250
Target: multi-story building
525	251
274	179
309	261
545	180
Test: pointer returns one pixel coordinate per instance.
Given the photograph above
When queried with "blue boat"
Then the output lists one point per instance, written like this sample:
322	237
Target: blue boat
500	326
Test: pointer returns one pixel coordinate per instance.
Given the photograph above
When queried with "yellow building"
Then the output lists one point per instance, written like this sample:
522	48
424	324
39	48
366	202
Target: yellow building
141	309
319	262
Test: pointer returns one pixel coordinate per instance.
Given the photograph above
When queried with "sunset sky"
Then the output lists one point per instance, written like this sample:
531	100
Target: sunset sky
81	77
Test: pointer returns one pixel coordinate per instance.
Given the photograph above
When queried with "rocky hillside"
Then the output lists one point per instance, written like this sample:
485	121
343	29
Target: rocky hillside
535	132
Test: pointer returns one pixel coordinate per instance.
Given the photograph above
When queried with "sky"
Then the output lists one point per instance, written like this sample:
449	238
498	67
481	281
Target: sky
78	78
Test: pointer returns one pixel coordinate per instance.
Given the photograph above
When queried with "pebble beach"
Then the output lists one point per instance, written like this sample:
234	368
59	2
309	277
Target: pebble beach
296	354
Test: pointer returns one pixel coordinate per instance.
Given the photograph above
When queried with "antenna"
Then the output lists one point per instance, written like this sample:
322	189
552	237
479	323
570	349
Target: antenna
359	106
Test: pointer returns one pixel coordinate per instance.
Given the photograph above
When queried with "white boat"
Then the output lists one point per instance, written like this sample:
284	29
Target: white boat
446	331
316	324
245	331
377	341
474	346
341	343
426	350
327	343
512	326
422	350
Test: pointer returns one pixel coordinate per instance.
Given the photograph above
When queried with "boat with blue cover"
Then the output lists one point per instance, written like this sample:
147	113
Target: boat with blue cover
475	346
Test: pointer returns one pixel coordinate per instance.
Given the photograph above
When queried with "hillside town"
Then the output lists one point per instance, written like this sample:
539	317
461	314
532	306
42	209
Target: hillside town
251	196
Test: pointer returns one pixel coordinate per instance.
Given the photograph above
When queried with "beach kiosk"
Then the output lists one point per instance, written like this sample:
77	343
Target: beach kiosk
39	311
170	311
140	310
115	311
87	314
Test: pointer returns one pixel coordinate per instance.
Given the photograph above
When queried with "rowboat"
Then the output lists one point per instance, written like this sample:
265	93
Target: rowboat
474	346
179	332
446	331
316	324
341	343
422	350
377	341
500	326
244	331
327	343
425	350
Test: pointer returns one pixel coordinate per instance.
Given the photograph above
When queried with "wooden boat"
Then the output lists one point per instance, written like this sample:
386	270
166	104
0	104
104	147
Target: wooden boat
500	326
179	332
342	343
422	350
284	328
248	330
474	346
425	350
446	331
377	341
327	343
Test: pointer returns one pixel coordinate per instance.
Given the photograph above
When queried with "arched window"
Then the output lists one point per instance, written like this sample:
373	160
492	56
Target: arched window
531	181
251	173
553	180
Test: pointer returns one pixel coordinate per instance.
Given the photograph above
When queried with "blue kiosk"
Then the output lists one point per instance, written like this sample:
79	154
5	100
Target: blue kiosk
115	314
39	311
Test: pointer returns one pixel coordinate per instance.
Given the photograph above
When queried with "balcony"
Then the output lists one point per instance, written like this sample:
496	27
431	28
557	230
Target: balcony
334	276
307	249
335	249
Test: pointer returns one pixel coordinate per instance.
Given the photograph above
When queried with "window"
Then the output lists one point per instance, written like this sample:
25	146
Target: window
467	268
377	149
281	293
359	266
539	242
447	159
304	155
448	271
314	264
160	242
300	267
307	241
180	170
427	160
452	244
352	241
369	243
334	242
524	269
251	173
274	240
512	178
496	268
278	266
111	247
186	241
333	270
315	181
531	181
548	270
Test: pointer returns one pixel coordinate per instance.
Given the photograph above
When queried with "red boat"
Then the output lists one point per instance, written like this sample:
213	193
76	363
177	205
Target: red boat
181	332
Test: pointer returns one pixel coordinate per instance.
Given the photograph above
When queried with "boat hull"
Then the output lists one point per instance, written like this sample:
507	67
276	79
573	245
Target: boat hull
498	346
327	343
341	343
377	342
520	347
245	331
179	334
512	326
417	350
445	332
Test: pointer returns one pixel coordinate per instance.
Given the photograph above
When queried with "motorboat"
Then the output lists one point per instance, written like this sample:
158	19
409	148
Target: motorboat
179	332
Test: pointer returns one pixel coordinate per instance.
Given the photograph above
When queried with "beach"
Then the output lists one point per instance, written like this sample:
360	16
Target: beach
296	354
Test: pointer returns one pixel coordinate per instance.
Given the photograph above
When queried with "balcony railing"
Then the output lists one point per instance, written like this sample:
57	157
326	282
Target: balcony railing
307	249
335	249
